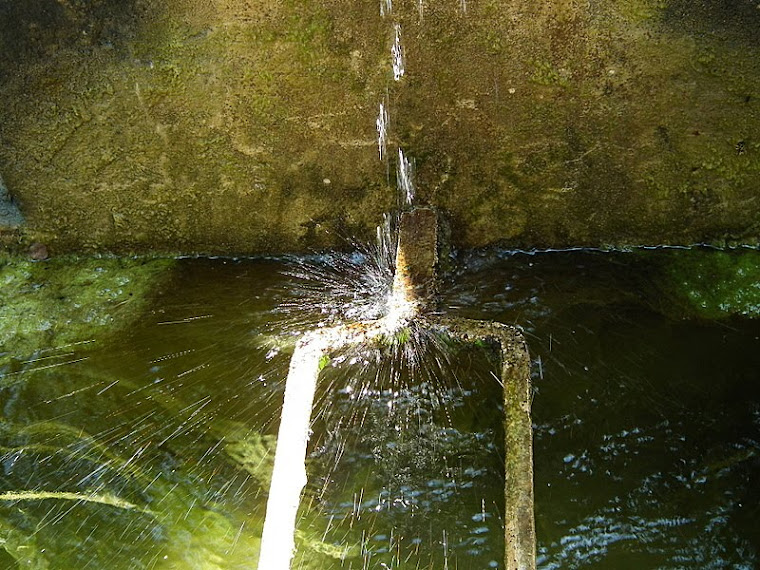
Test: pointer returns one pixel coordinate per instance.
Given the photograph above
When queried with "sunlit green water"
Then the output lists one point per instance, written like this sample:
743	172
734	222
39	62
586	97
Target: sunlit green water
647	431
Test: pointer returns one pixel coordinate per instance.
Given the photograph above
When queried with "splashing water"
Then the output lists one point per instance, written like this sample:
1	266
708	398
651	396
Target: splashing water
397	54
411	285
388	449
405	178
382	130
646	430
339	288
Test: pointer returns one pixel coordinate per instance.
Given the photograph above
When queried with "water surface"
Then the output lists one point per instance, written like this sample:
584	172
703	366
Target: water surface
154	451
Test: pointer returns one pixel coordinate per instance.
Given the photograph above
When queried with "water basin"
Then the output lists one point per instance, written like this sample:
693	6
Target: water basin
153	449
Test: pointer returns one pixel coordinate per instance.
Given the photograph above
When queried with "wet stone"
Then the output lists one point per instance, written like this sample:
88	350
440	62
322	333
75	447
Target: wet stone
534	125
10	215
417	257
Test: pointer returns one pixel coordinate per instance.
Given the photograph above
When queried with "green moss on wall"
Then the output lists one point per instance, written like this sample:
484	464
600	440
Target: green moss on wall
197	127
622	124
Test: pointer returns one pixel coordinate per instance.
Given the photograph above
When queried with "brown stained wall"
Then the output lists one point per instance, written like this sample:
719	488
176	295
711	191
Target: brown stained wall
248	127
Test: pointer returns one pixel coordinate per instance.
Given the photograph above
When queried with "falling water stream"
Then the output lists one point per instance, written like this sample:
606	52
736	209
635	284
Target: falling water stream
154	450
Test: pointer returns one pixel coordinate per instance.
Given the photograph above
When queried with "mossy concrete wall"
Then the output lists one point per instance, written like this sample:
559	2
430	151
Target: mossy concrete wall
249	126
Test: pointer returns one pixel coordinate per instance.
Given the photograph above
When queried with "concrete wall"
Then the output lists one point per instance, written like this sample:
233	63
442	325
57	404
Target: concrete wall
244	126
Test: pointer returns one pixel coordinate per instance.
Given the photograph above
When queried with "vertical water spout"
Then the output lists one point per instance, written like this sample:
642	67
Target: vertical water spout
412	292
416	259
405	178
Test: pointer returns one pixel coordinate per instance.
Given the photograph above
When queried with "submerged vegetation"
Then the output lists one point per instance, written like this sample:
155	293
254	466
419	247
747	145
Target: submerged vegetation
66	303
712	284
90	488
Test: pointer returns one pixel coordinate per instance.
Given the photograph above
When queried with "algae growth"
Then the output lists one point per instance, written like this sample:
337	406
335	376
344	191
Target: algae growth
712	284
47	307
170	419
156	488
172	519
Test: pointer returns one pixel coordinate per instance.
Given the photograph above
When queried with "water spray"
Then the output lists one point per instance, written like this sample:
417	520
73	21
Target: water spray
411	299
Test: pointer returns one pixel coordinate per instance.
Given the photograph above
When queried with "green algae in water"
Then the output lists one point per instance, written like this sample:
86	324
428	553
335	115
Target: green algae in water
141	455
69	301
252	452
713	284
111	498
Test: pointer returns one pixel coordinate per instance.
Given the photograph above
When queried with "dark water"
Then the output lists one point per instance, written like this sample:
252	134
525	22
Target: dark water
647	429
152	452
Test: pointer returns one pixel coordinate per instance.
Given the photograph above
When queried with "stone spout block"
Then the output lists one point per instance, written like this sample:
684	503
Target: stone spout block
417	256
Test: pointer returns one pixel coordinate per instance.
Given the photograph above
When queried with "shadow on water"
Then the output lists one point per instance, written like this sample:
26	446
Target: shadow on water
155	451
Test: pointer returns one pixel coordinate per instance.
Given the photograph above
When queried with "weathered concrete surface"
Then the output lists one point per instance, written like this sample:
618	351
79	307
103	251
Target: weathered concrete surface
241	126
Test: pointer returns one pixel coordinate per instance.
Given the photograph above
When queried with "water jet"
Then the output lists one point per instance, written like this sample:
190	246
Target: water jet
411	302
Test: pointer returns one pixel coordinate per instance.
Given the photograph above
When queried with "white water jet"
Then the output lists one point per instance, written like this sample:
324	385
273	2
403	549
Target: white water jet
386	7
405	178
289	474
311	352
397	53
382	130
